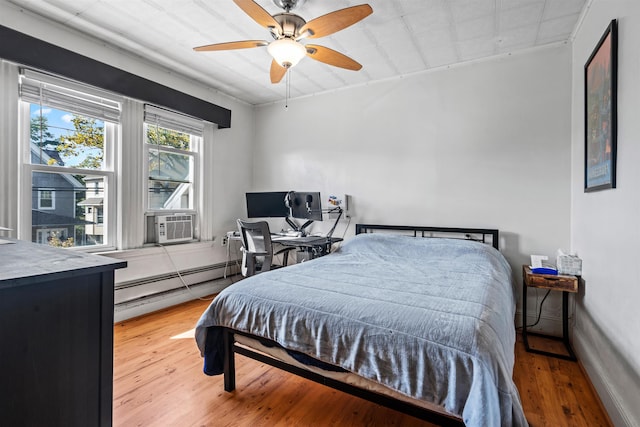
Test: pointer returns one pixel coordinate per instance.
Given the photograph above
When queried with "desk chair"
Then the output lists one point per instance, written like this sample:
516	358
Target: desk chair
257	248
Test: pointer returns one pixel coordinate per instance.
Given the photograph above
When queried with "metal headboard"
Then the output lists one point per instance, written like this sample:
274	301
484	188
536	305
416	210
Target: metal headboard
477	234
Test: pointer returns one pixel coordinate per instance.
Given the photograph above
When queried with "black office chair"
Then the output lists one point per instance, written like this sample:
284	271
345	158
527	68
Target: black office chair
257	248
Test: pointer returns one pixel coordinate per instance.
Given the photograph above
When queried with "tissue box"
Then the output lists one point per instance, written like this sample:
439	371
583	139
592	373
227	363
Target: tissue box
569	264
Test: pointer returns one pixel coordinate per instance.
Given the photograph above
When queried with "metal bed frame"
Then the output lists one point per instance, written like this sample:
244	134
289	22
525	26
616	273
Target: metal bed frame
477	234
439	418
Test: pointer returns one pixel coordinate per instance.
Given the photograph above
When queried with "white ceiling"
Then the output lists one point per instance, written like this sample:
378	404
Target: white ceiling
400	37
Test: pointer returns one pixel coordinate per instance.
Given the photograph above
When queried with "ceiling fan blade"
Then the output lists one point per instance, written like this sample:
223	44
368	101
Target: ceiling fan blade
258	14
277	72
335	21
331	57
246	44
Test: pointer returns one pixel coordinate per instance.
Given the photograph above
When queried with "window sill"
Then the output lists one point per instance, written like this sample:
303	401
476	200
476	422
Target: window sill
152	249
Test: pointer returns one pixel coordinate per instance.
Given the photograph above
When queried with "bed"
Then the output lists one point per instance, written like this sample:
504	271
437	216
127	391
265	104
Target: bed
420	324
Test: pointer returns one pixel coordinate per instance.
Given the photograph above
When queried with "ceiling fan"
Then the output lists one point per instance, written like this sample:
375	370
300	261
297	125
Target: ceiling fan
288	29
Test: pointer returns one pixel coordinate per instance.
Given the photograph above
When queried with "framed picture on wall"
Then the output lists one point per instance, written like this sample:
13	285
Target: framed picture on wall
600	85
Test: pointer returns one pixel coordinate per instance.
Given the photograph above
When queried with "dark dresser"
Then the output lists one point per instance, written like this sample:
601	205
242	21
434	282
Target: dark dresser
56	336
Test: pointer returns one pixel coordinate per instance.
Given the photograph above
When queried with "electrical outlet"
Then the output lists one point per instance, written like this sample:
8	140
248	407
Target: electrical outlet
224	241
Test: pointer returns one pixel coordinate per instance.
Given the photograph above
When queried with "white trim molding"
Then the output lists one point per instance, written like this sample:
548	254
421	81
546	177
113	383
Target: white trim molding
615	380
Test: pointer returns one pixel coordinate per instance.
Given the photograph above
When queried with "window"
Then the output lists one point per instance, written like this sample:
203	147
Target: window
170	167
46	199
171	142
82	168
69	139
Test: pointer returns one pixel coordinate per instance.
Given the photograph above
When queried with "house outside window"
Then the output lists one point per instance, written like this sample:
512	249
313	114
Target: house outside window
92	209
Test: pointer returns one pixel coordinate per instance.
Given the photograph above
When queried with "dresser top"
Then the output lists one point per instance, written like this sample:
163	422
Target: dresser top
24	263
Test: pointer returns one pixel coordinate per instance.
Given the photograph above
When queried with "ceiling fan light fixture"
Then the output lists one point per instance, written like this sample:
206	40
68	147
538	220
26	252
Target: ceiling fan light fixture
286	52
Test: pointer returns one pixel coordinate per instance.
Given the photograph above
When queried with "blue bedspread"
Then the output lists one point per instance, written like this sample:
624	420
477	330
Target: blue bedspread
430	318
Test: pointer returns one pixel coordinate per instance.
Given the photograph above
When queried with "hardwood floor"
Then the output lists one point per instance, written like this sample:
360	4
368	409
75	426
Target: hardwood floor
158	381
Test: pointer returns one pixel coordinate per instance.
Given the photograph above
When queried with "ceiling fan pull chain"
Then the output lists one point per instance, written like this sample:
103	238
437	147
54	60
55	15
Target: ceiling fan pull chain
287	90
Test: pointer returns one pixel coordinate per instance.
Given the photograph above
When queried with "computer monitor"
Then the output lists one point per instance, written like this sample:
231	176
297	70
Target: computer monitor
267	205
305	205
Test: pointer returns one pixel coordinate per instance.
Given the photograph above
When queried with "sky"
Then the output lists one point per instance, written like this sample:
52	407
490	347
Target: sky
60	124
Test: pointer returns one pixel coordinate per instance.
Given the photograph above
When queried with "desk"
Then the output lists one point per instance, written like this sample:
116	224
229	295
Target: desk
562	283
309	247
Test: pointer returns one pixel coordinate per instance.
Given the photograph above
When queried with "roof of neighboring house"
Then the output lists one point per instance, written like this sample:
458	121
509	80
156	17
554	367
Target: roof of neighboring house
46	219
46	155
92	201
54	155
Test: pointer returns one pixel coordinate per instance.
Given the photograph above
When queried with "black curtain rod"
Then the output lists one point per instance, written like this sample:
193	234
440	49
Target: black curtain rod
30	51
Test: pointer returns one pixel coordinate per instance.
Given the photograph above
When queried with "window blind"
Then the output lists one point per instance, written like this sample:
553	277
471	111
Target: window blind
172	120
70	96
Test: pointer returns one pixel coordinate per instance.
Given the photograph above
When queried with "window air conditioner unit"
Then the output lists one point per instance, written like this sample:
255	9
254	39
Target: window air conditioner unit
174	228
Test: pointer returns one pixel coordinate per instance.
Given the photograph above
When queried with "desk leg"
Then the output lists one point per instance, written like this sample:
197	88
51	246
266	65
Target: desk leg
524	315
565	325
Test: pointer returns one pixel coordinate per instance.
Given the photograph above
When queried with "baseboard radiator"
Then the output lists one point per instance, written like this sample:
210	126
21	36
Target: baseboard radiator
153	286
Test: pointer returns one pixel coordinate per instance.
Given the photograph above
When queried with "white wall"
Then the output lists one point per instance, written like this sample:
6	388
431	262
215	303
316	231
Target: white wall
479	145
605	230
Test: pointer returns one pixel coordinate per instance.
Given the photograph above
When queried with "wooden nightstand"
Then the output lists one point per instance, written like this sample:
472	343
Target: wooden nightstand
565	284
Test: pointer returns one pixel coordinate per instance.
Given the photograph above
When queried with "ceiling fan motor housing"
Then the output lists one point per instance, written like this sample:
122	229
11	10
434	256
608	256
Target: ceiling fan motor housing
290	24
288	4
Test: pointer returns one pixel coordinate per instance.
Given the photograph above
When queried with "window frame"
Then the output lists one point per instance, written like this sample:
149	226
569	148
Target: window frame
193	154
111	137
174	121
